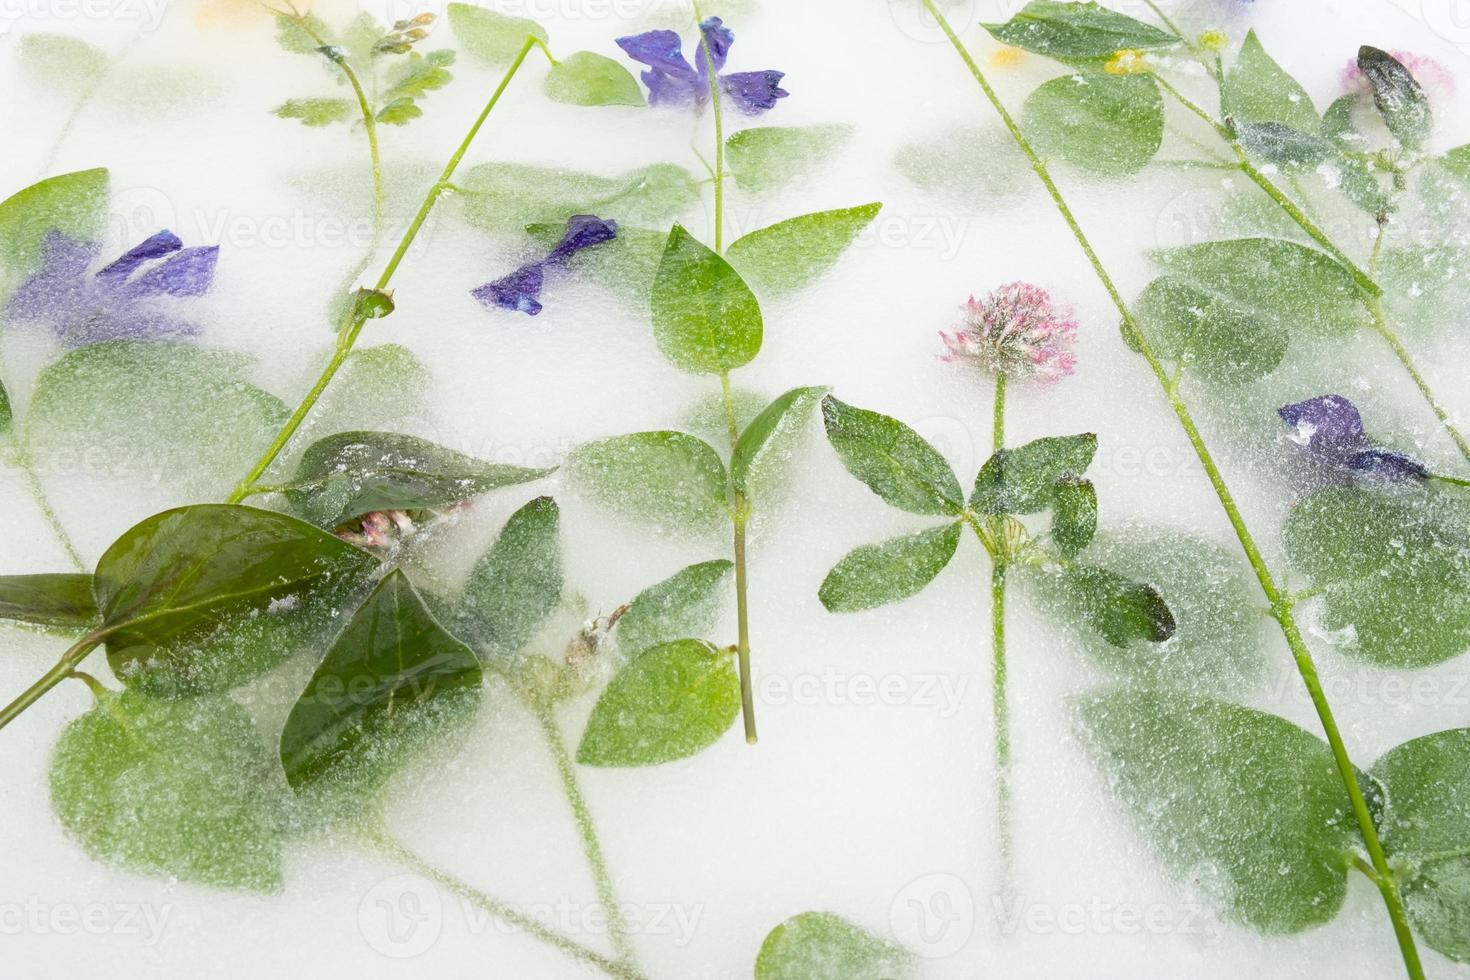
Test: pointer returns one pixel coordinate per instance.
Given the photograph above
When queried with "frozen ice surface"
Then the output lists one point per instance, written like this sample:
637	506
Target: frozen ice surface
876	806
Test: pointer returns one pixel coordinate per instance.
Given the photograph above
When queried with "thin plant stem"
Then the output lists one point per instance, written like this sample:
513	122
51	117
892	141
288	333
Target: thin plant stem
1281	606
357	318
390	847
591	846
1000	705
68	663
740	516
43	503
719	167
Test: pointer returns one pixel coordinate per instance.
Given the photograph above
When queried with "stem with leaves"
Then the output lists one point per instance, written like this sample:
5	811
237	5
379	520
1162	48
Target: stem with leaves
1379	871
360	313
1370	291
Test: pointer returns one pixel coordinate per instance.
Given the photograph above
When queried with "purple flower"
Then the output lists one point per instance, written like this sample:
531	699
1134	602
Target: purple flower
672	81
1014	330
1330	428
521	290
121	300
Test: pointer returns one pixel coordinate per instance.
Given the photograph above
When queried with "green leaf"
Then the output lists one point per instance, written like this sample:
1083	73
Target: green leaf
586	78
768	158
59	64
390	680
1117	608
1106	124
1393	567
824	946
1457	161
507	197
626	265
178	789
892	459
74	204
1207	332
409	80
7	417
705	318
1399	97
182	575
1077	31
877	574
1023	480
353	473
1246	805
670	479
766	444
517	583
683	605
670	702
491	38
149	415
793	253
966	166
1427	781
1074	515
1284	146
316	112
1257	89
296	37
63	600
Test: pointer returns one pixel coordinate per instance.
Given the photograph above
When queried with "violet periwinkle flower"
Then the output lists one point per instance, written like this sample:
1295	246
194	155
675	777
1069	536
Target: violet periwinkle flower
672	81
1330	428
1017	331
521	290
119	301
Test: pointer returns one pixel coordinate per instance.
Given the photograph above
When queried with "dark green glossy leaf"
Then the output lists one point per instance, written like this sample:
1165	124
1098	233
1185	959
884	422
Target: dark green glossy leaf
824	946
517	583
670	702
683	605
877	574
892	459
1208	333
1394	568
667	478
705	318
1117	608
1105	124
1077	31
1284	146
178	789
507	197
1427	781
1257	89
74	204
1023	480
1246	805
181	575
794	253
586	78
1074	514
489	37
354	473
766	443
317	112
1399	97
63	600
392	678
767	158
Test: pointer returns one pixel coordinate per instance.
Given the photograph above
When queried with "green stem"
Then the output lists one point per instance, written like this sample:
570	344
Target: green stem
1302	657
719	168
1381	325
1000	705
591	846
740	515
38	493
392	848
356	318
69	661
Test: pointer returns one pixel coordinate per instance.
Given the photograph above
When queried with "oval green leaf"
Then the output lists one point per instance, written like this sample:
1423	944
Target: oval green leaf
1257	89
1117	608
1024	480
64	601
705	318
670	702
790	254
1074	32
767	158
877	574
683	605
1074	515
491	38
506	197
1105	124
824	946
892	459
1208	333
668	479
74	204
767	442
517	583
586	78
